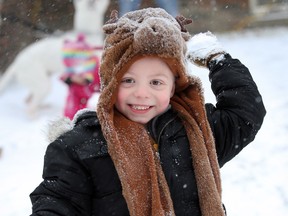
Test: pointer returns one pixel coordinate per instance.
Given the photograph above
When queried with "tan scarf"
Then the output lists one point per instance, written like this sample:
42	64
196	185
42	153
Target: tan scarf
143	182
189	104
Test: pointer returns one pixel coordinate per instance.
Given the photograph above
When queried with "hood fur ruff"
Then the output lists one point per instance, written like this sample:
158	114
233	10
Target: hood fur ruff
62	125
58	127
153	32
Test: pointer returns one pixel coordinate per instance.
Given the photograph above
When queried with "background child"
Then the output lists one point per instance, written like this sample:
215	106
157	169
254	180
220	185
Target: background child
153	147
81	74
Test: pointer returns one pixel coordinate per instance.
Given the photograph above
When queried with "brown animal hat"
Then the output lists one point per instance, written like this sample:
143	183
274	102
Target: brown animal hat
153	32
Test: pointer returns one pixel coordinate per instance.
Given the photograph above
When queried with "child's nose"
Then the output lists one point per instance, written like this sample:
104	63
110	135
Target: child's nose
141	91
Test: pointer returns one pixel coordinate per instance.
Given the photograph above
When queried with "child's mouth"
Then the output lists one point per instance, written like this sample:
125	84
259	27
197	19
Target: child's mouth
140	107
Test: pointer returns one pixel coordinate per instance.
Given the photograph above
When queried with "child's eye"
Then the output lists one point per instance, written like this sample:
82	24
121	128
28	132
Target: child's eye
156	82
127	80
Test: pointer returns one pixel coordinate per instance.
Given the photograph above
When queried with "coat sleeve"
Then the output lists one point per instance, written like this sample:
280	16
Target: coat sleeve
66	188
239	111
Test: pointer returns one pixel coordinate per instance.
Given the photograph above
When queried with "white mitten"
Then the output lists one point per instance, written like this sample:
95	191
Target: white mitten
202	47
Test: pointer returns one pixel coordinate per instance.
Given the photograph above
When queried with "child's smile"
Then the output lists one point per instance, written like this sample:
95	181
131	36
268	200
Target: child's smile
140	108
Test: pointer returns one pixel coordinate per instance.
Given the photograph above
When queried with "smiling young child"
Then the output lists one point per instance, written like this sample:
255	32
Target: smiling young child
153	147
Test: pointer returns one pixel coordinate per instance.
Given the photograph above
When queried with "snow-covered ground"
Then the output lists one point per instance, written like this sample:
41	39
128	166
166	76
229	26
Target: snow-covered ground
254	183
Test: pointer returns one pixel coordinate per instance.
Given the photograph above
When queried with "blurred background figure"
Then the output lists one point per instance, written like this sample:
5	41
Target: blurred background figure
171	6
39	42
89	10
81	74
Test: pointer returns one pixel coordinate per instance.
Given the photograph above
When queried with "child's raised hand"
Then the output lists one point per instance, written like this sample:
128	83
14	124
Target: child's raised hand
202	47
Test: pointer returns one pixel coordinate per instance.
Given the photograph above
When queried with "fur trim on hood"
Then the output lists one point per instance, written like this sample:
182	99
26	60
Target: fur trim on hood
62	125
58	127
153	32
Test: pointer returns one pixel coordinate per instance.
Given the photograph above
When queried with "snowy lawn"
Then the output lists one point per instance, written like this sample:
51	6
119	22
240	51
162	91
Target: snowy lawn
254	183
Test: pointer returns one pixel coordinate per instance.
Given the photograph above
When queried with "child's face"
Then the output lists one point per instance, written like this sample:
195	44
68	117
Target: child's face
145	89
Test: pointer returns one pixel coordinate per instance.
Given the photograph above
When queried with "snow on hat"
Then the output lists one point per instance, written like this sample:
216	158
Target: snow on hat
153	32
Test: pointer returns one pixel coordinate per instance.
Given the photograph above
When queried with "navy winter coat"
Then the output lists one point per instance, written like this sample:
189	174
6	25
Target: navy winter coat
79	175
